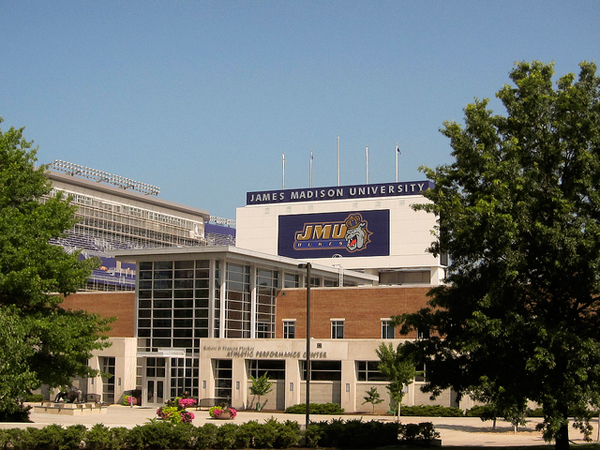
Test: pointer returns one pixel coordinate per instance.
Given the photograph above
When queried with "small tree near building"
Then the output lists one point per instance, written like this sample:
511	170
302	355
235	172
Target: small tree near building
399	370
373	397
260	386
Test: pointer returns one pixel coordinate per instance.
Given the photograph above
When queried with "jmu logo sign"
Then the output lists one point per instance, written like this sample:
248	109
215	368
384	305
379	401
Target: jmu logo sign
360	233
353	234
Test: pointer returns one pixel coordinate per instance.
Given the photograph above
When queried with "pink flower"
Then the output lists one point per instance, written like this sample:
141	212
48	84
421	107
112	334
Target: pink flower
187	402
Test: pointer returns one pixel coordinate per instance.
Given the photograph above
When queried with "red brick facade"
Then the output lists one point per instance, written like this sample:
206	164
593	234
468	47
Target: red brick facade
107	304
361	309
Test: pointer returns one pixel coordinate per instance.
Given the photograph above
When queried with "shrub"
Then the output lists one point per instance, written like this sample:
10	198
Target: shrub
205	436
20	439
246	432
312	435
34	398
423	431
160	435
226	436
288	434
431	411
316	408
100	437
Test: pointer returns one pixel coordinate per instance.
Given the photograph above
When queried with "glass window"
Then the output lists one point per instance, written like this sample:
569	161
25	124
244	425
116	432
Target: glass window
322	370
289	329
337	329
387	329
369	371
291	280
274	368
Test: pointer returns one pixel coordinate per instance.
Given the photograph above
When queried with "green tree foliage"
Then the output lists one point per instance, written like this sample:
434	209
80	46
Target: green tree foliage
260	386
40	343
399	368
373	397
519	216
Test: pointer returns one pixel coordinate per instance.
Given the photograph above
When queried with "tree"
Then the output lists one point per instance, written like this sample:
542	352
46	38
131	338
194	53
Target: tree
40	343
260	386
519	216
399	369
372	397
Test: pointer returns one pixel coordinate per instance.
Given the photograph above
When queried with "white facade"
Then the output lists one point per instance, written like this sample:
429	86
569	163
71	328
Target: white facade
410	231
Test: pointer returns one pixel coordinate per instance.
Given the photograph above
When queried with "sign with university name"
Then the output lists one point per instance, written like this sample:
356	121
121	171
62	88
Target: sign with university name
249	351
338	192
326	235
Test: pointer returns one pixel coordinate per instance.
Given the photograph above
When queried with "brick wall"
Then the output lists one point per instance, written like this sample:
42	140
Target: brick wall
361	308
107	304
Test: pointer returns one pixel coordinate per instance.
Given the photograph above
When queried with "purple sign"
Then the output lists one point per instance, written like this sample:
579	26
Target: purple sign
347	234
339	192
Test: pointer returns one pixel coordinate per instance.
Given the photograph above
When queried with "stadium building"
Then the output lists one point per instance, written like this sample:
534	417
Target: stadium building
117	213
204	319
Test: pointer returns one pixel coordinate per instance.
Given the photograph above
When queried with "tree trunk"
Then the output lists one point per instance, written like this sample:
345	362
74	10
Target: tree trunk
562	438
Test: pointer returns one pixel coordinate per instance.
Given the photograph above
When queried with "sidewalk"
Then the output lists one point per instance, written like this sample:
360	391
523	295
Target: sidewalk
453	430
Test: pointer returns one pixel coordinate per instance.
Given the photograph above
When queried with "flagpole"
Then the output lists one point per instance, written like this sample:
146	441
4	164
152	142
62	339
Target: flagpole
310	168
367	157
338	160
397	151
283	169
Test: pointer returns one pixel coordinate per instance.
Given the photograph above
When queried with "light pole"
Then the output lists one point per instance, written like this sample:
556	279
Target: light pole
307	266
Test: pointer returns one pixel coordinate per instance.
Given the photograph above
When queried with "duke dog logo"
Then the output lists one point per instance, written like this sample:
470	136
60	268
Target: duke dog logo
351	233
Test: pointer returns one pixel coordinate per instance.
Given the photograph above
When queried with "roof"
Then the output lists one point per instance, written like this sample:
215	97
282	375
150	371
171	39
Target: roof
240	254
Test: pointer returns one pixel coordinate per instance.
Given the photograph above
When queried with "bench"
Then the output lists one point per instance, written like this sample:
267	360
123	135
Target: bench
207	403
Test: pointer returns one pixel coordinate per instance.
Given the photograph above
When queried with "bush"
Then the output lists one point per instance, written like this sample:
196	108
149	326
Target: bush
312	435
205	436
100	437
431	411
316	408
19	439
412	432
246	432
160	435
34	398
226	435
15	413
352	434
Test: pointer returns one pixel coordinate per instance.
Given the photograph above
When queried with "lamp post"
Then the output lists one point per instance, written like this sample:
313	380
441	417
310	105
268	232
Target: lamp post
307	266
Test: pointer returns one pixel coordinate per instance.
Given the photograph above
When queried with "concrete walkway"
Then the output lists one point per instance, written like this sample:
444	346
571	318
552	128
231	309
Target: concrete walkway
454	430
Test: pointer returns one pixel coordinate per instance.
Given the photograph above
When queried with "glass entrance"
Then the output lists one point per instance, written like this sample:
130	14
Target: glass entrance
155	381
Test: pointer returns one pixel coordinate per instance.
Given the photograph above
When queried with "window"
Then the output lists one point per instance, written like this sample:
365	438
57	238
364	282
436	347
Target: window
322	370
387	329
289	329
423	333
337	329
369	371
107	364
421	372
274	368
291	280
263	330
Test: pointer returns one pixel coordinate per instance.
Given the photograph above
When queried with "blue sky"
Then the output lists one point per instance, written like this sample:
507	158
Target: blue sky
201	98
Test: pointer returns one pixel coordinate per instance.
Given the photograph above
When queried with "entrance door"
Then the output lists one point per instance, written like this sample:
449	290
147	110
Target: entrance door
155	382
155	392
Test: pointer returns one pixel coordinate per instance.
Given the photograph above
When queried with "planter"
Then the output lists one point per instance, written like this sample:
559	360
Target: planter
225	415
